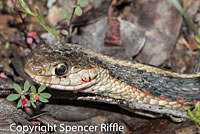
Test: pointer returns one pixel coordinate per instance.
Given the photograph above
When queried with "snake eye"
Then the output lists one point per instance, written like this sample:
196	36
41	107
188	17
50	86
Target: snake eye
61	69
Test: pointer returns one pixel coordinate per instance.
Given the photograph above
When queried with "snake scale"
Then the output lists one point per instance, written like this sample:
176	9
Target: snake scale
73	68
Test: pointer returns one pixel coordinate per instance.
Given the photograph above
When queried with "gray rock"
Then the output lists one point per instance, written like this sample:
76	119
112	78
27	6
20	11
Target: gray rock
92	36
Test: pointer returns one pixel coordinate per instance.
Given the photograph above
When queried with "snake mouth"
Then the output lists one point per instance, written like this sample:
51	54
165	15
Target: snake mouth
68	88
72	82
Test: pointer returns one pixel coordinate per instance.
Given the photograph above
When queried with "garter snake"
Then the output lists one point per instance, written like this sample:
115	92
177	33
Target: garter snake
74	68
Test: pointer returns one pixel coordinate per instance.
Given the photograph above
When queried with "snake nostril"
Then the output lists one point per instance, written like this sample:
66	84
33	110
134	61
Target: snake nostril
40	71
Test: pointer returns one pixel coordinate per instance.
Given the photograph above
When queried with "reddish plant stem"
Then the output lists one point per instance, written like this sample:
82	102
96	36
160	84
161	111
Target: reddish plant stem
70	21
23	20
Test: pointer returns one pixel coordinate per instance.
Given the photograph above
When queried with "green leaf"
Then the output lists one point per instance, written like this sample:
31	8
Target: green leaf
41	88
17	88
197	38
32	99
191	114
78	11
55	32
19	104
197	106
28	103
41	21
28	13
66	14
26	86
198	121
7	45
82	3
7	69
25	7
45	95
33	89
79	2
13	97
33	104
198	125
197	114
198	46
43	99
189	21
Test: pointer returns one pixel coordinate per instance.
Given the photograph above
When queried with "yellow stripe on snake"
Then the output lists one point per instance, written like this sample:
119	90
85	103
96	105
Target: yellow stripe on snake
73	68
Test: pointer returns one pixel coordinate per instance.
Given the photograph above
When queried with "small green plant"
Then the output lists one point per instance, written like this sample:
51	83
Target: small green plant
77	9
80	4
26	10
195	115
189	21
29	95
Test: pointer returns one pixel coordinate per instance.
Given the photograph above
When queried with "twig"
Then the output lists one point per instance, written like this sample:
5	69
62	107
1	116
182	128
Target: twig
70	21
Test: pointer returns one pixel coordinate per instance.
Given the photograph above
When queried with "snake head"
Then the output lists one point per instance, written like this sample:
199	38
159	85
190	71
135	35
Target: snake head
61	68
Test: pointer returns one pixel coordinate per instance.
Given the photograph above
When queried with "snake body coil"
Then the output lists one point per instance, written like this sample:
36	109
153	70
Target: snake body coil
72	67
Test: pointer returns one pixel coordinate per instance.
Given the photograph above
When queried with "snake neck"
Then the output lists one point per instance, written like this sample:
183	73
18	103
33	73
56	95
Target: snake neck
140	80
